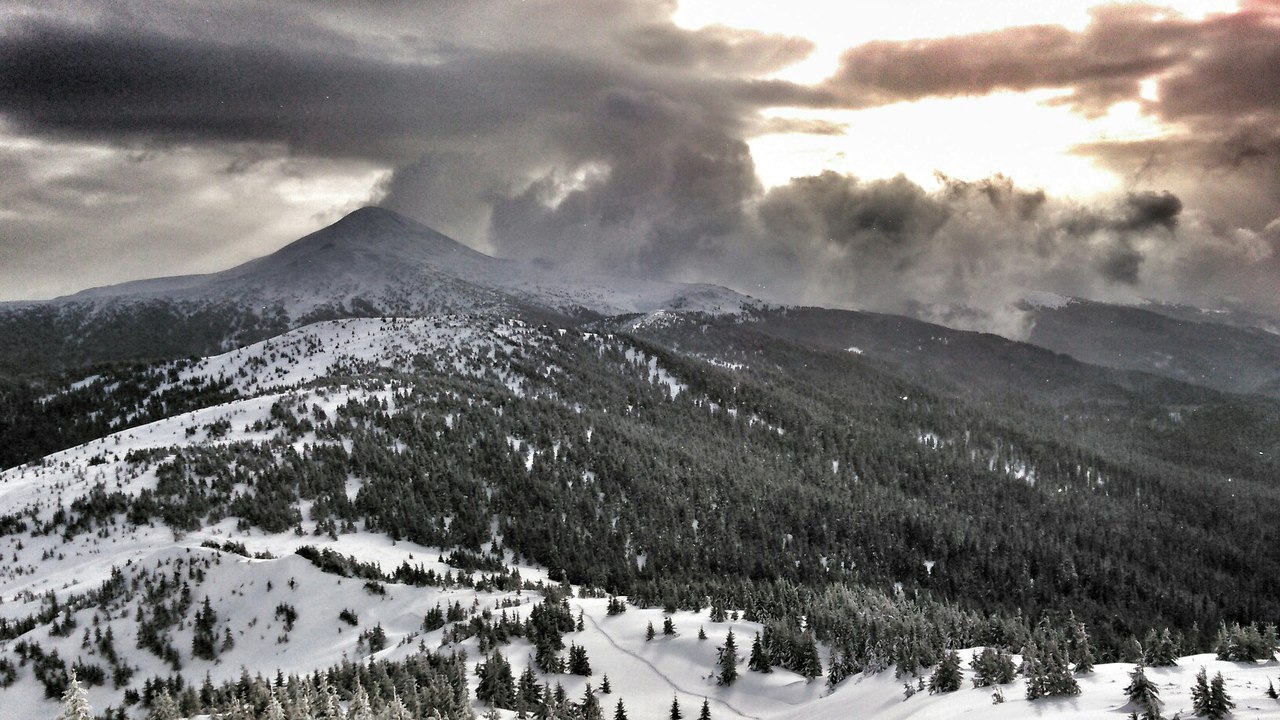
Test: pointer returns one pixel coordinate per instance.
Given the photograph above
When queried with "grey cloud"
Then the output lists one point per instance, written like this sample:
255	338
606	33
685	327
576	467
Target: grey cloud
967	253
716	49
622	149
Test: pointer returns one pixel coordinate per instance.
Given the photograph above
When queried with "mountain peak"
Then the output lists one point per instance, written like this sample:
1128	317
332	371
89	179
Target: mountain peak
372	215
379	231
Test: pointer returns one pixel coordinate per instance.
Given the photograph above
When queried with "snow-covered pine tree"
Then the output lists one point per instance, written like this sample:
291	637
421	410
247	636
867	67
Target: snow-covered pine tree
759	661
1144	694
528	692
579	663
1220	704
275	710
163	707
590	706
1210	700
75	703
992	666
496	686
359	708
1046	667
728	661
946	678
810	663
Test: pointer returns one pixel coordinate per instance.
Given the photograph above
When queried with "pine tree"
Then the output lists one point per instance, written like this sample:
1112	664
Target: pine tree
728	661
75	703
1046	667
590	707
946	678
1144	694
675	709
605	687
759	661
359	708
496	686
1081	648
992	667
163	707
1210	700
529	693
1200	693
705	714
579	664
702	633
668	627
620	712
203	640
808	661
275	711
1220	704
395	710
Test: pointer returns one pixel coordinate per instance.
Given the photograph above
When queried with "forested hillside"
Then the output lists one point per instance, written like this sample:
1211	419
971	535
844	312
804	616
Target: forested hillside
883	510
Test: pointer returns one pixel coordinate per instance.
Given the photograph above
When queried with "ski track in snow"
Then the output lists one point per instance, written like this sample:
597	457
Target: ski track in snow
666	678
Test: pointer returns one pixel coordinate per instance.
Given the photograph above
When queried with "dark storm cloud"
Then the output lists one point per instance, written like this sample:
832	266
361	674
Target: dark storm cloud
602	136
1106	62
967	253
716	49
84	83
484	111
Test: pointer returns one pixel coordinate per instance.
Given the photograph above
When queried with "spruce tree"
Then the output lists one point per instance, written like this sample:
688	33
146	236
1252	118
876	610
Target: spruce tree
668	627
946	678
705	713
590	707
675	709
728	661
649	633
1046	667
992	667
1144	694
808	661
75	703
496	686
620	711
529	693
1210	700
759	661
579	664
163	707
1220	704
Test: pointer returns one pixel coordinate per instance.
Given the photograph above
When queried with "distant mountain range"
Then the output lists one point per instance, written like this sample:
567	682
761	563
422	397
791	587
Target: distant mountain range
376	262
1217	350
380	462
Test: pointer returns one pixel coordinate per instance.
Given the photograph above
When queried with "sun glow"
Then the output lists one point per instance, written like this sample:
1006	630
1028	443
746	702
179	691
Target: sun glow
1027	136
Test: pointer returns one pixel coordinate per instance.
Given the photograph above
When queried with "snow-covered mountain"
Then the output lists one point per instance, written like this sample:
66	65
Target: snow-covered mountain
402	267
373	262
399	466
104	570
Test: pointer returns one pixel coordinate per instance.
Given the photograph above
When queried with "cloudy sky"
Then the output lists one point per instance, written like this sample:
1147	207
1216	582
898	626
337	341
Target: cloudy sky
915	156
